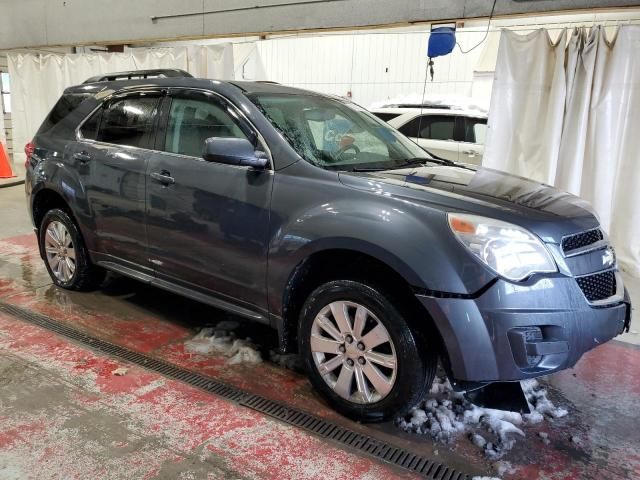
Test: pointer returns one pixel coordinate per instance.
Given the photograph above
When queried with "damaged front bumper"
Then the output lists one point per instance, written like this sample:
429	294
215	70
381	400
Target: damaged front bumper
518	331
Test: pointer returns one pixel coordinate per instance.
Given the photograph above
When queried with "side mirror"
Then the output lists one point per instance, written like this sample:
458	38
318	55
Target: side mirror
234	151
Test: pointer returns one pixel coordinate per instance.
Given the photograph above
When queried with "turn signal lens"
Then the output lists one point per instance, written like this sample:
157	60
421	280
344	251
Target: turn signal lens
461	226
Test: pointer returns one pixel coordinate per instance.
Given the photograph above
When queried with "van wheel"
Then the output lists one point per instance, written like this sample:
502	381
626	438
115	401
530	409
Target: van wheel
65	255
360	353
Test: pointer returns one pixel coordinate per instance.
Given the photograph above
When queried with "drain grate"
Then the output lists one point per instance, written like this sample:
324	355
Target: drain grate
292	416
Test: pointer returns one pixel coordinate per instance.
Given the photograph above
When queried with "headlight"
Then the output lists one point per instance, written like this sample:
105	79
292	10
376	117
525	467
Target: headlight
509	250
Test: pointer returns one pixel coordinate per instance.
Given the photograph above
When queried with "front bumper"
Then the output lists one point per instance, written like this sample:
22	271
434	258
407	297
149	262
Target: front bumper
513	332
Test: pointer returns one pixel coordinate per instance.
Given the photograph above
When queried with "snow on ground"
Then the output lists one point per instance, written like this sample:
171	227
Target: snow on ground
220	340
445	414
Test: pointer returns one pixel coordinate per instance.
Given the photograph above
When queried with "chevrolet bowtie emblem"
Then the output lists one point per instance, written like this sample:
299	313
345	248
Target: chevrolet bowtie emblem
608	257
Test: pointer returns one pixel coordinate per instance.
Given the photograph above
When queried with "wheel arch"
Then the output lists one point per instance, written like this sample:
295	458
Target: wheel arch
47	199
337	262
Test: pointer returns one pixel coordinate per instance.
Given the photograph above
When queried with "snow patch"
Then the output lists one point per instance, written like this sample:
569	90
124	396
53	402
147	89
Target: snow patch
210	340
455	102
446	414
539	403
501	467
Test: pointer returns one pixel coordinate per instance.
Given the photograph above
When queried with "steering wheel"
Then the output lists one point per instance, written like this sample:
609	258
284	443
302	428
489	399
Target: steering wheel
342	150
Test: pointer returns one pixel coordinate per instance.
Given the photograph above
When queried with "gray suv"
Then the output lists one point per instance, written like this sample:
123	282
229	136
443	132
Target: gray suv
371	258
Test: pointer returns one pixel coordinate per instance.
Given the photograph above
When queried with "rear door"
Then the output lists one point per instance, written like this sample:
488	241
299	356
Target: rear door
111	158
207	222
435	133
472	145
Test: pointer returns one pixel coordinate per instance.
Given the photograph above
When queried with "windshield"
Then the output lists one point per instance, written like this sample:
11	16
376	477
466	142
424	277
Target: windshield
336	135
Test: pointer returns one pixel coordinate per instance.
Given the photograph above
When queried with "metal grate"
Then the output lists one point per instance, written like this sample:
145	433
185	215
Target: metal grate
328	430
598	286
580	240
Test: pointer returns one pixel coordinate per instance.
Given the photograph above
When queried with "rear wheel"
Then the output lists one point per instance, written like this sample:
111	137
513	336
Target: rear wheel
360	352
65	254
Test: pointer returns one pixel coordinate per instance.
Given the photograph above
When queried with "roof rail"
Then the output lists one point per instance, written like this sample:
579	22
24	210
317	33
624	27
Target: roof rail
136	74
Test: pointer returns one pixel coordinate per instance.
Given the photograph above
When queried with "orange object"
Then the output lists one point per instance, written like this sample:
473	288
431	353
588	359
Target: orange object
5	164
462	226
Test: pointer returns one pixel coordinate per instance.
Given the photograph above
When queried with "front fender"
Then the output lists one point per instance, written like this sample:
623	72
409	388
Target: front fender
318	213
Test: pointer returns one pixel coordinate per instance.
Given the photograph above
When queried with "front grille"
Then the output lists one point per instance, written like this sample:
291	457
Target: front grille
598	286
583	239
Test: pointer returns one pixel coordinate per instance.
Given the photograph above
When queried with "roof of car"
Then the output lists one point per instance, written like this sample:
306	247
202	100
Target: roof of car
118	82
468	112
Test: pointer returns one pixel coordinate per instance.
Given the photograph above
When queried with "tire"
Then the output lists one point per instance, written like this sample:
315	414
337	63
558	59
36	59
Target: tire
60	238
359	398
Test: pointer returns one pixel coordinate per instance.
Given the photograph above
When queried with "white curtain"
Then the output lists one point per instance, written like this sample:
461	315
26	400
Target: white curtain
568	114
37	81
527	101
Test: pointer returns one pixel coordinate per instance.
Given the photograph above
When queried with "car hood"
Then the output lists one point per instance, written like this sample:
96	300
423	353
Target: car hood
483	191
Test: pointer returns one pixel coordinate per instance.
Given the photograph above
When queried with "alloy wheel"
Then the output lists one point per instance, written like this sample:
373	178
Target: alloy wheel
60	252
353	352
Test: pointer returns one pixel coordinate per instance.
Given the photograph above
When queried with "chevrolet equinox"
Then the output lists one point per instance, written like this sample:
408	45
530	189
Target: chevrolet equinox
372	258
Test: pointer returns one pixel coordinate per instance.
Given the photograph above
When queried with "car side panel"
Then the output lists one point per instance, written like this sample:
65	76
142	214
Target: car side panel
53	170
447	149
312	211
114	179
471	153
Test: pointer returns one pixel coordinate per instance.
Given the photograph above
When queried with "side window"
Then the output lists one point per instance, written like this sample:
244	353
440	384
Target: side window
386	116
475	130
192	121
128	121
433	127
410	129
90	127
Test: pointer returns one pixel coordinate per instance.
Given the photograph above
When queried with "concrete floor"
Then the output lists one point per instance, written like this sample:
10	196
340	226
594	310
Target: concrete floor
64	414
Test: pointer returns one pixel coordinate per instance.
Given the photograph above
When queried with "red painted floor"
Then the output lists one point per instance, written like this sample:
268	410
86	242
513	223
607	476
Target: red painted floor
141	425
86	422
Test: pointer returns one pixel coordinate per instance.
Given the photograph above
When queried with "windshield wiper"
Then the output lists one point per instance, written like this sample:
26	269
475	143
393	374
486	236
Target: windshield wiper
368	169
412	162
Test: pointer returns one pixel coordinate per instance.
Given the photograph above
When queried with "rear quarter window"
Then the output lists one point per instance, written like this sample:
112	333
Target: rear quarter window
63	118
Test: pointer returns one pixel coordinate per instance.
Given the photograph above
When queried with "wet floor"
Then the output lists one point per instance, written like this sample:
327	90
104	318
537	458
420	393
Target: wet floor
90	422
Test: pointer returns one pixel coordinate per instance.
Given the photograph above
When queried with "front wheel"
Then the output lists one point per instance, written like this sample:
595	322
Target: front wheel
360	352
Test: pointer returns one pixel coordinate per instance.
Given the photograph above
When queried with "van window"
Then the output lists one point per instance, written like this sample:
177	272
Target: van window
386	116
192	121
433	127
475	130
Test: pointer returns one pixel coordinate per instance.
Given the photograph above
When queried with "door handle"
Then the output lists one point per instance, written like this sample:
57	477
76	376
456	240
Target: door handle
471	153
163	177
82	157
